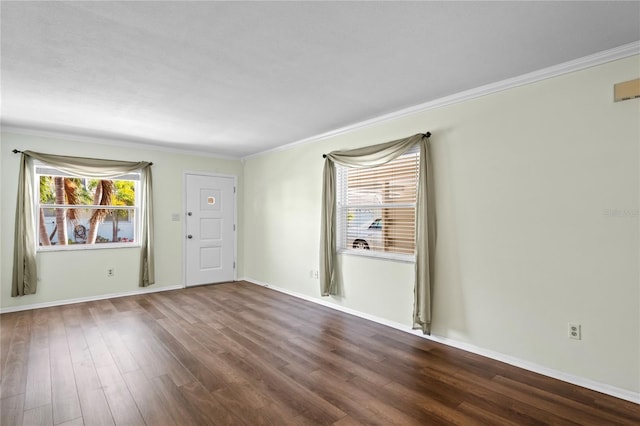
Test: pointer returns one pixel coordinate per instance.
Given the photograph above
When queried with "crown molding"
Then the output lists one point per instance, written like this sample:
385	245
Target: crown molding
589	61
110	141
585	62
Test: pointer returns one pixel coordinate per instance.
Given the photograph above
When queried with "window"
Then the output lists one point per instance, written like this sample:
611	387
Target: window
80	213
376	208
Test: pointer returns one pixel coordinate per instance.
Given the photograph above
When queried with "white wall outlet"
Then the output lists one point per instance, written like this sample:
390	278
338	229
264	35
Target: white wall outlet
316	274
111	272
575	331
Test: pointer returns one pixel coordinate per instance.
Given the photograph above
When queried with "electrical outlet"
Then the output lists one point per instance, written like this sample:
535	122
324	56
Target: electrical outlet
575	331
316	274
111	272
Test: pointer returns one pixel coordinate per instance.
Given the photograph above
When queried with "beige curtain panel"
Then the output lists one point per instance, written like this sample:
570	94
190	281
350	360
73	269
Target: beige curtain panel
25	275
373	156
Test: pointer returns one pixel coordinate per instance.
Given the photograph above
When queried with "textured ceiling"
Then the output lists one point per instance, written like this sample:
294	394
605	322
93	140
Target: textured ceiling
236	78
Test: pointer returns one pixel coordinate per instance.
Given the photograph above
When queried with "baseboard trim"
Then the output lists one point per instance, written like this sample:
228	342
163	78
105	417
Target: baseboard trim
142	290
517	362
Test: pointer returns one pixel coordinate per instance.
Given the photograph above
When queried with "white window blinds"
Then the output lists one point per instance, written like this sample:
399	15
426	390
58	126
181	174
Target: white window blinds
376	207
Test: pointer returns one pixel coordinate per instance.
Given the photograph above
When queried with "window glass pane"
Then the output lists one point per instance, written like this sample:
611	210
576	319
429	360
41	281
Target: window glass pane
81	191
84	224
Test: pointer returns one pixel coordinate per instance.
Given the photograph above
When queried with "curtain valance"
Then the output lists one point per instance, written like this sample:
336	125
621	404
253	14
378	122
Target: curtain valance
88	167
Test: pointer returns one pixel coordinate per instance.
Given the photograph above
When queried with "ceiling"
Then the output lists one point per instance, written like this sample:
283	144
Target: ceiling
238	78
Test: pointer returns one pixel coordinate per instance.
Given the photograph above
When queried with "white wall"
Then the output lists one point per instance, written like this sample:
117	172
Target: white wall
82	274
537	204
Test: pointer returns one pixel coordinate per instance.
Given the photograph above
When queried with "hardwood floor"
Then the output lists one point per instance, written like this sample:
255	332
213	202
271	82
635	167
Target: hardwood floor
242	354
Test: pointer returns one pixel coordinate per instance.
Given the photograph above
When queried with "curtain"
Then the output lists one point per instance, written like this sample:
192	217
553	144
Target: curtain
24	255
25	276
373	156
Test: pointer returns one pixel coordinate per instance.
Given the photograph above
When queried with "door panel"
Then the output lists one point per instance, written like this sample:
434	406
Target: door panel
210	242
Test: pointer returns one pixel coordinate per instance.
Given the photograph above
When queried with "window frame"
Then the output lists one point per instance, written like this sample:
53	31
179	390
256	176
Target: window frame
43	169
342	209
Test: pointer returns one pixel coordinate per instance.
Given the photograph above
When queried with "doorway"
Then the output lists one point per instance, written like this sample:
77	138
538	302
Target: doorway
210	229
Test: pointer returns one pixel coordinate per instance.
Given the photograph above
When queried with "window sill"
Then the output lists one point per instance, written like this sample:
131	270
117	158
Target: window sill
394	257
83	247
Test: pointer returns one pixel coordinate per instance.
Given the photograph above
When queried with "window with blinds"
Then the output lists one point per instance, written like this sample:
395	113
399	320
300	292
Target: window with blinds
377	207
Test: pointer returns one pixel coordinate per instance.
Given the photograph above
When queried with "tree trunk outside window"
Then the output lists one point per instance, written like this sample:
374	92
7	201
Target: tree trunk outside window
104	191
61	217
42	230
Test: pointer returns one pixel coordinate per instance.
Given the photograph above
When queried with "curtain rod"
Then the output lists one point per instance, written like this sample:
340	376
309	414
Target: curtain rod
426	135
16	151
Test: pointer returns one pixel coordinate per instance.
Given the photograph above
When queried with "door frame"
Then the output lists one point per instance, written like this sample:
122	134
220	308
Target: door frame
184	220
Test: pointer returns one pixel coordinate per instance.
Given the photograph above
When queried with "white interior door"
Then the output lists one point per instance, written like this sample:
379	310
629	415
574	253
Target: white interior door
210	226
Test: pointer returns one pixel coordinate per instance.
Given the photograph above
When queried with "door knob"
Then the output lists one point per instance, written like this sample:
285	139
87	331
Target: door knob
189	236
189	214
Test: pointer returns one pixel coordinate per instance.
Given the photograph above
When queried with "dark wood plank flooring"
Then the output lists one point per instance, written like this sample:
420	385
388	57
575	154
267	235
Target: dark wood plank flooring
241	354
